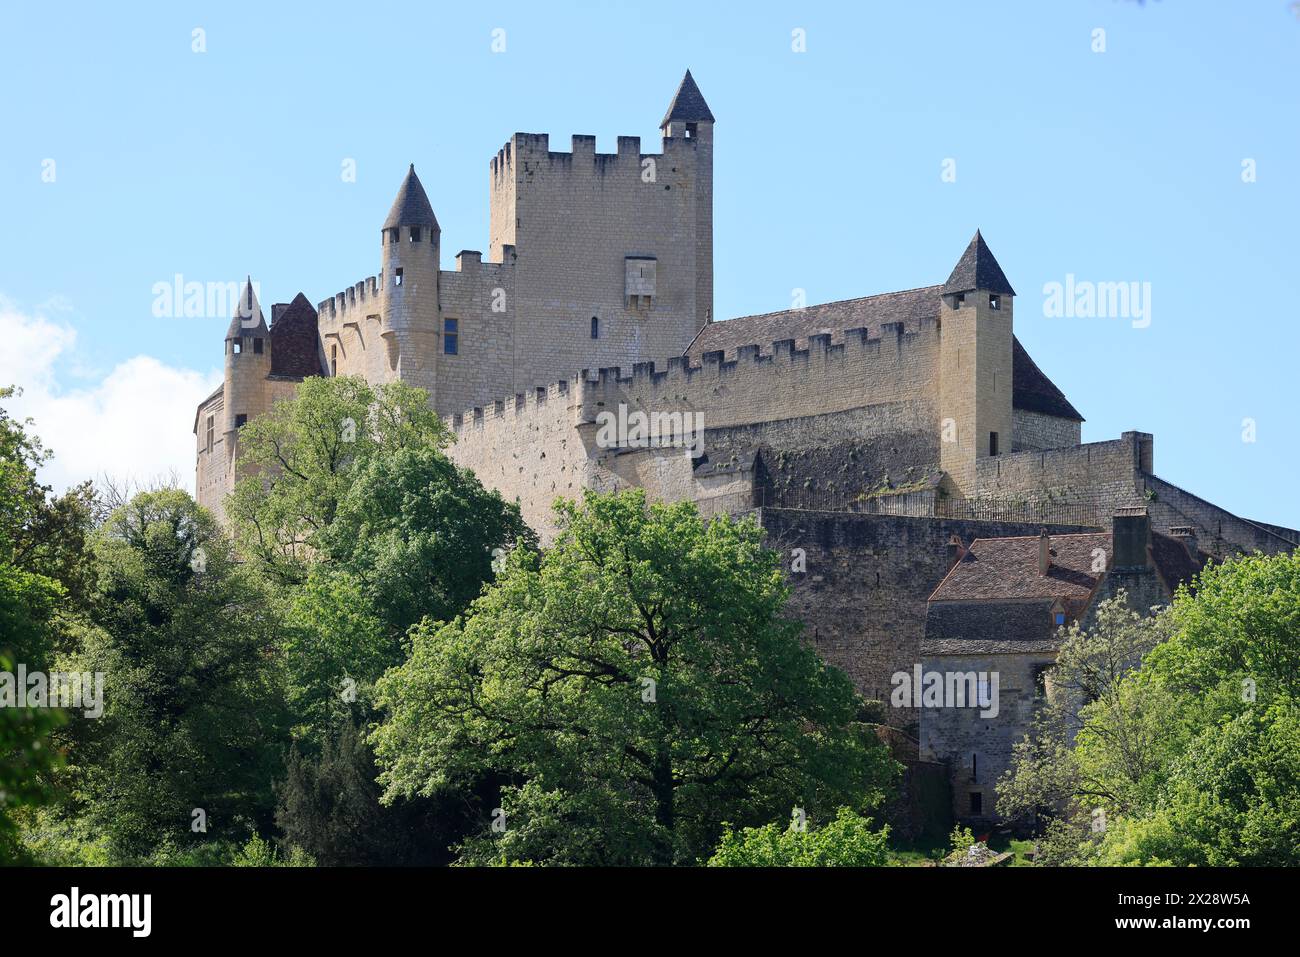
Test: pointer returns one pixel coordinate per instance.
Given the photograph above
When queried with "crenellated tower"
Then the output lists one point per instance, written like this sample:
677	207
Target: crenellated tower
975	364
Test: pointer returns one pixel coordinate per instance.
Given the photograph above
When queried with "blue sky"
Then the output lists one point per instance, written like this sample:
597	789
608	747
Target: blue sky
1117	166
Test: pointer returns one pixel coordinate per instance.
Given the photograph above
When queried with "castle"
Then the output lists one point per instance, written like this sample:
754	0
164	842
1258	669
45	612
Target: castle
893	445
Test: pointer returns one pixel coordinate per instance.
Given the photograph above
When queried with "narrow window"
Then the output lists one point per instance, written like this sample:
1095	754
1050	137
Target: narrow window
993	443
1040	680
237	346
1060	618
974	767
240	420
397	277
450	337
995	302
976	803
257	346
415	234
595	328
210	432
334	359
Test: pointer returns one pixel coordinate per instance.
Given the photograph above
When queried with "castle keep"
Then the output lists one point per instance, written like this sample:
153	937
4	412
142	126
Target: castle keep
903	449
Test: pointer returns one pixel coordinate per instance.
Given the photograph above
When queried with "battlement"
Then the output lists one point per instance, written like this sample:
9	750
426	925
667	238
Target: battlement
531	150
780	381
357	298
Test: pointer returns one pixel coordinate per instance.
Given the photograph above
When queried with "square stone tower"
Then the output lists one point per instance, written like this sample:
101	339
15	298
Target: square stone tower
975	364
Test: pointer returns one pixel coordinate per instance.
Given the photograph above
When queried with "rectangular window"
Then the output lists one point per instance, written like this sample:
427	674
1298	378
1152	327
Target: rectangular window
397	277
976	803
240	420
210	432
450	337
415	234
334	359
995	302
1040	680
257	346
237	346
993	443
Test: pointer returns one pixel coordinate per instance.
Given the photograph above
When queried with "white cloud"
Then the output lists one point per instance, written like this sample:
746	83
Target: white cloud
136	422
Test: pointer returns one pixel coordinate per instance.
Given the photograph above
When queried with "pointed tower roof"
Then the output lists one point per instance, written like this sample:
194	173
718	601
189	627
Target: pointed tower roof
688	104
977	269
411	207
247	318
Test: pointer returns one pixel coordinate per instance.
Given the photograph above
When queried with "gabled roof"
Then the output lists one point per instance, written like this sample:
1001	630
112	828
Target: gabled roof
1006	569
411	207
295	341
688	104
977	269
247	319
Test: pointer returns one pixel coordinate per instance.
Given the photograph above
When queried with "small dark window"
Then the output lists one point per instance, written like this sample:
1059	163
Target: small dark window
240	420
394	235
397	277
1040	680
976	803
237	346
595	328
959	300
415	234
993	443
974	767
691	130
450	337
334	360
995	302
257	346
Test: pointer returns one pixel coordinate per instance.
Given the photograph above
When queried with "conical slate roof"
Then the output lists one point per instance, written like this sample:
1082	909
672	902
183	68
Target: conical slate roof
688	105
411	207
977	269
247	319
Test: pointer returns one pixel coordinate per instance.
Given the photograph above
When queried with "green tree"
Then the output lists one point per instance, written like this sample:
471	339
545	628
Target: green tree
848	840
631	683
193	715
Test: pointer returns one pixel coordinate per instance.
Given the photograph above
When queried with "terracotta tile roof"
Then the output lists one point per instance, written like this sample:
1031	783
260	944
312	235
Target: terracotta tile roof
1000	569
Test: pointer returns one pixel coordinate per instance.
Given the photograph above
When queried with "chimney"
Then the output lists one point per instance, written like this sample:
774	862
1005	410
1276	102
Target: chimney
1131	538
956	550
1044	552
1187	535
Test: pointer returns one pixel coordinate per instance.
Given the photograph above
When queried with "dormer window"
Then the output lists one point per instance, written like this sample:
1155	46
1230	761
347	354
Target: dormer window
995	302
1058	619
